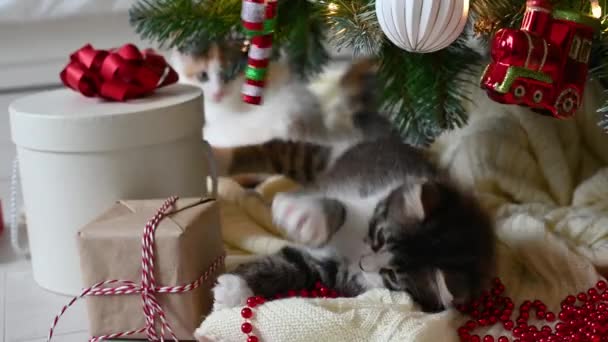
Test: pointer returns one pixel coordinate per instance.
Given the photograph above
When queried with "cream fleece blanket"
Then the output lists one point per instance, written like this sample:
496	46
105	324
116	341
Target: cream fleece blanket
544	180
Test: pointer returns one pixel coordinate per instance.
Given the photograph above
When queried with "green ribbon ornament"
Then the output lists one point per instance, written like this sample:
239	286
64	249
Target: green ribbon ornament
269	25
256	74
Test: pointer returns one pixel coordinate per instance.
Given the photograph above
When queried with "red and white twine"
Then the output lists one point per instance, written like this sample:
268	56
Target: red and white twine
148	288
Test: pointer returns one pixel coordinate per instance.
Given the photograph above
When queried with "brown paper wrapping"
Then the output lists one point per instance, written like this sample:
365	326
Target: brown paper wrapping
187	242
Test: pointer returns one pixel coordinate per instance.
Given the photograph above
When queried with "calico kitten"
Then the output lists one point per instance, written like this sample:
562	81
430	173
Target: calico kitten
375	213
218	71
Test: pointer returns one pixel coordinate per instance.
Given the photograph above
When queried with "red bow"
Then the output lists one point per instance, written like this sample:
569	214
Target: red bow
119	74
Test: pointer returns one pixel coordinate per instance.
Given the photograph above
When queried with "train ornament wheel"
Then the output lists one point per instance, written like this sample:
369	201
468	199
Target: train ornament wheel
537	96
519	91
567	103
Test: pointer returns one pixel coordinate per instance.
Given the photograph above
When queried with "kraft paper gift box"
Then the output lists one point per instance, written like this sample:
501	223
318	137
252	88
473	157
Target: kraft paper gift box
187	242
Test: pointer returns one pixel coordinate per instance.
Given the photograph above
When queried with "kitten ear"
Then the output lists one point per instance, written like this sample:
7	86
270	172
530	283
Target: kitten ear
180	57
408	204
444	295
452	288
361	72
421	200
359	87
430	197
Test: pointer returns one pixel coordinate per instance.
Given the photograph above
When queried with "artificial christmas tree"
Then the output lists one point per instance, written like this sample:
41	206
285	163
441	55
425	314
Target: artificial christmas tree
423	92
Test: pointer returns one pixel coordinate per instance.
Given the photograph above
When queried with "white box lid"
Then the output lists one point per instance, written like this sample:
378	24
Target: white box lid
66	121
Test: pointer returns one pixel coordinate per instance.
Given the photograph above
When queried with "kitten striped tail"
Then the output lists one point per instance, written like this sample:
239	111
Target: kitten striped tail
300	161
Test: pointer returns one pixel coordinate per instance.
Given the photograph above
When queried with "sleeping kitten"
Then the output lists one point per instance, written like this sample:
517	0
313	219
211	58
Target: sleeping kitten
375	213
229	121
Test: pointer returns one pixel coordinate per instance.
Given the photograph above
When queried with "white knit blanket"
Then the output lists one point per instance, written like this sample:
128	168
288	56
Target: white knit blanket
545	181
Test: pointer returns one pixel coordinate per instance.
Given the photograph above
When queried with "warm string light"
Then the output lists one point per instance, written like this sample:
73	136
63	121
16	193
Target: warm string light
596	9
332	7
246	44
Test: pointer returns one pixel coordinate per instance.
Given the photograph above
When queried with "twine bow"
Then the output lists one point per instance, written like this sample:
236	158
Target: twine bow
118	74
148	288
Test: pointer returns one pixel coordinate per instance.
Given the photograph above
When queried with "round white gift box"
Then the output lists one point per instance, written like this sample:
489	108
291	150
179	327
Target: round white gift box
78	155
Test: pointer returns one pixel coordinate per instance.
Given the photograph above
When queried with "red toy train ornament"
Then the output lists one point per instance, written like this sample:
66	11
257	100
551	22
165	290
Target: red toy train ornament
544	64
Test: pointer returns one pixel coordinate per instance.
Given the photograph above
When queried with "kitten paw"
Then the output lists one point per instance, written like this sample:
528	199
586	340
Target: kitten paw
302	218
230	291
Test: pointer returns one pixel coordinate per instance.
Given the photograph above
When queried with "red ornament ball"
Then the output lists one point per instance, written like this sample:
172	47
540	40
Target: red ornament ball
252	339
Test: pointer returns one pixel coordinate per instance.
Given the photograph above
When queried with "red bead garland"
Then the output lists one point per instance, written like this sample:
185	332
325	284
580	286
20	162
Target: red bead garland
582	318
320	291
586	321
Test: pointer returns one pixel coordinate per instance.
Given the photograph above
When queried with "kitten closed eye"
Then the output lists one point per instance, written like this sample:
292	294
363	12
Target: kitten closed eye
389	274
378	241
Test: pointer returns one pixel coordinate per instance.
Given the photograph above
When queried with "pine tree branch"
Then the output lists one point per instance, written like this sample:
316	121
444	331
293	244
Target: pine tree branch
174	23
192	25
501	13
301	33
424	93
421	101
353	24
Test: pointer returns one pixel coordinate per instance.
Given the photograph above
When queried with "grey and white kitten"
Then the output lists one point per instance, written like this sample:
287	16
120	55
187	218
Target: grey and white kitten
374	213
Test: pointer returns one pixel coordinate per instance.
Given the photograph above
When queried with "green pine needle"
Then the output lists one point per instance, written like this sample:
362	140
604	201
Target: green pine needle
301	33
353	24
173	23
424	93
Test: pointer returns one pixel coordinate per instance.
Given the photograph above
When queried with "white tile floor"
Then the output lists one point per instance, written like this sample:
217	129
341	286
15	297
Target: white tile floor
26	310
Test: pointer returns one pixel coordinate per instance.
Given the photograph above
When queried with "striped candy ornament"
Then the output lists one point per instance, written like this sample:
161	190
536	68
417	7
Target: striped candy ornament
259	19
147	289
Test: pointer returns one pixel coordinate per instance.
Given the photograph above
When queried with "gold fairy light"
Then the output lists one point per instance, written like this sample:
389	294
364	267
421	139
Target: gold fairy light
484	27
246	44
596	9
332	7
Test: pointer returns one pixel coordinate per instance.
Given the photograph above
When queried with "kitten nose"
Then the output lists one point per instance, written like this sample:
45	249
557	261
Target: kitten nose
217	96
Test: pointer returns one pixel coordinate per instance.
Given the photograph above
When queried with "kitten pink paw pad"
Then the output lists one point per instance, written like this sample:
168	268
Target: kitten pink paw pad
301	218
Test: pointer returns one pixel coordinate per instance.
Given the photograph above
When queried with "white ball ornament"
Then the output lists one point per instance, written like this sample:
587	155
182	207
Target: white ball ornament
422	25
